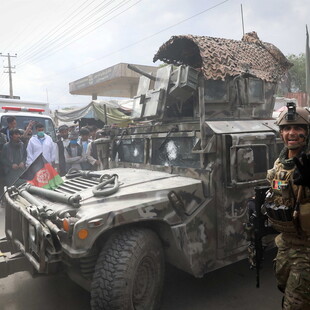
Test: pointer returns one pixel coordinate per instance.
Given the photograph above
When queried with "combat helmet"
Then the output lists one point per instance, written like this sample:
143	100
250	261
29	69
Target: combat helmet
294	116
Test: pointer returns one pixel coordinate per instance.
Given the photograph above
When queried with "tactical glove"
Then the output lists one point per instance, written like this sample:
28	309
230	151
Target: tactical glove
302	173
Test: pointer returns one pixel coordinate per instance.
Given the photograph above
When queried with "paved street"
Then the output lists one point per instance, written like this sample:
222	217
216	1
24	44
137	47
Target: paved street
230	288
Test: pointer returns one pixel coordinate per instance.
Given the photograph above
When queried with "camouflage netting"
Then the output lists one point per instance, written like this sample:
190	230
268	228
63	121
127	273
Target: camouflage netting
218	58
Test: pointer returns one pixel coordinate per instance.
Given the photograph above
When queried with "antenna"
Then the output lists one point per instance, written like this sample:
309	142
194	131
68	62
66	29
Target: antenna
242	19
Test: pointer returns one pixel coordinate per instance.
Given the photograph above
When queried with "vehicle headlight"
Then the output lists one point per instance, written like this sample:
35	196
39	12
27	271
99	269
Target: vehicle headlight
32	233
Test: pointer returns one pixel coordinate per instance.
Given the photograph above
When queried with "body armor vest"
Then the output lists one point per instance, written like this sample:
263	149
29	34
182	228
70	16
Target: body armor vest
281	199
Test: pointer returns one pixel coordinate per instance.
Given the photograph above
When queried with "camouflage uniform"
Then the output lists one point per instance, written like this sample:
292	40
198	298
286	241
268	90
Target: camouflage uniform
292	263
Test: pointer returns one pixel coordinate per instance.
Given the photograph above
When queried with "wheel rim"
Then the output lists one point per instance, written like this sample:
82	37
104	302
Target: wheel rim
144	282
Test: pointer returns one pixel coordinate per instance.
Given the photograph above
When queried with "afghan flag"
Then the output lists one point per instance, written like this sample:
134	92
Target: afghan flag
42	174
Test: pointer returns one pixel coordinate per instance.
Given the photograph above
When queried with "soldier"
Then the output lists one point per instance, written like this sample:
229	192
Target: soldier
286	195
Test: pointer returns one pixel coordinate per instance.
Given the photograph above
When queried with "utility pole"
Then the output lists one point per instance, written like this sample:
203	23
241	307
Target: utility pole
9	67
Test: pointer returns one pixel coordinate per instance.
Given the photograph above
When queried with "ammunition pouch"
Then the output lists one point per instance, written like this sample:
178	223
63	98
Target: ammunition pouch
304	217
283	227
276	212
280	217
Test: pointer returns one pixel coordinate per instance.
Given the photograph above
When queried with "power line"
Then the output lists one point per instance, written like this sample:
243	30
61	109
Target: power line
139	41
79	33
33	21
60	26
143	39
66	34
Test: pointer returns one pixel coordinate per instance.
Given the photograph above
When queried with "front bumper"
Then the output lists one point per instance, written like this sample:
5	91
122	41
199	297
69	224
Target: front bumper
40	249
12	263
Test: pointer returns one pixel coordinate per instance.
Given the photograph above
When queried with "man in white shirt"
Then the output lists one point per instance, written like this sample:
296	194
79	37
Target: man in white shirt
40	143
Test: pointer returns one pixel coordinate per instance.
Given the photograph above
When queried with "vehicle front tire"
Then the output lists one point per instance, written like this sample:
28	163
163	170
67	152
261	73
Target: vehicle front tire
129	272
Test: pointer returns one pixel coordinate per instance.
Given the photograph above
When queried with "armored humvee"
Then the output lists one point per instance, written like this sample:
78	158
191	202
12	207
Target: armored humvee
174	185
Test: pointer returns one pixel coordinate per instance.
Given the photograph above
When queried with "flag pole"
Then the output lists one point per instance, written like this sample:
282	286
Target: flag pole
17	179
12	184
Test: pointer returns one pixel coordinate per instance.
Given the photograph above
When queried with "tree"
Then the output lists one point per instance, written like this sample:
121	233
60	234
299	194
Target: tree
297	74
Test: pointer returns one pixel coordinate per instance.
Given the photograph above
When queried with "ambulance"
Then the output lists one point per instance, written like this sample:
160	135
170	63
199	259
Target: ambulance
26	111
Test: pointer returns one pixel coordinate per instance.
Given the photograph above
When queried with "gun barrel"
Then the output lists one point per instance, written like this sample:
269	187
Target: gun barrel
73	200
134	68
260	194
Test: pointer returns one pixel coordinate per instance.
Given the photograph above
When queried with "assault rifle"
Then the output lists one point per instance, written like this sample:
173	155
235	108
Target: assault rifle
256	229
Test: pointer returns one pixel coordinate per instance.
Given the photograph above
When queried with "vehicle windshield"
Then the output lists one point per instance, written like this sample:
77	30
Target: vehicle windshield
23	121
172	151
175	151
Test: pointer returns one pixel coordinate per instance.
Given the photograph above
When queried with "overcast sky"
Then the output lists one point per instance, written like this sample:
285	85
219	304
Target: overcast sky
60	41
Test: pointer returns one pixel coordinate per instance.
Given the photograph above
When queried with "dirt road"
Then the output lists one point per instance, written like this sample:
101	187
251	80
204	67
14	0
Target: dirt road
230	288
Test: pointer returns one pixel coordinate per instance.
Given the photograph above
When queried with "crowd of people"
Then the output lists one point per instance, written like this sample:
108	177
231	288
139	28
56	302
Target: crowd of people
19	148
75	149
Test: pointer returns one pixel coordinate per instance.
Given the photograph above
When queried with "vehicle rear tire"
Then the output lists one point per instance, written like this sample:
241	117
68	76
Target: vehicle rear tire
129	272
